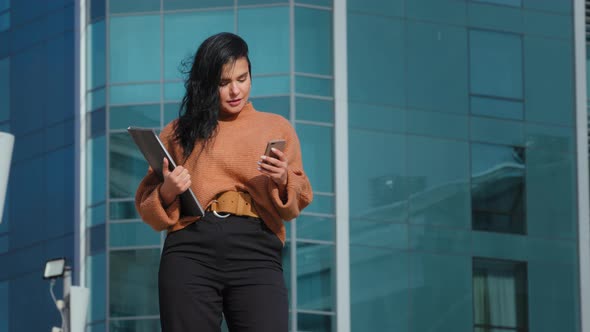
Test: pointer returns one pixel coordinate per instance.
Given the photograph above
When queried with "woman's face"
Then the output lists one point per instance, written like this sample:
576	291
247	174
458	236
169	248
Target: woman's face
234	87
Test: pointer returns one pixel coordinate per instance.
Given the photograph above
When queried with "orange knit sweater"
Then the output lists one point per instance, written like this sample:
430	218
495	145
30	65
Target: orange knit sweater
229	163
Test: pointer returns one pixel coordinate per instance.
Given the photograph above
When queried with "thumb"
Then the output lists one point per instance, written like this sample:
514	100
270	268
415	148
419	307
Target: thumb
165	169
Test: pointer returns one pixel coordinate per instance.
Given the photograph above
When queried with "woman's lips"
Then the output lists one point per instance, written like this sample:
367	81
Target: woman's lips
234	102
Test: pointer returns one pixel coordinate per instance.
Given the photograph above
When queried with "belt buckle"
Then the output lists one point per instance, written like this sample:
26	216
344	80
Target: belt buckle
218	215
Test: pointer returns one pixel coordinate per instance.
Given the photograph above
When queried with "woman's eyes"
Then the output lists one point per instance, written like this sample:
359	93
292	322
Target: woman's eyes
241	80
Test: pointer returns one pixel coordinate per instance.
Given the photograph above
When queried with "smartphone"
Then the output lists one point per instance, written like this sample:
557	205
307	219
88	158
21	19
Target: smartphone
277	144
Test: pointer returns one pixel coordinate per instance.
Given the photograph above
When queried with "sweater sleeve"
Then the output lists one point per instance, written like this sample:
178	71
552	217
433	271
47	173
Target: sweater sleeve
148	201
299	192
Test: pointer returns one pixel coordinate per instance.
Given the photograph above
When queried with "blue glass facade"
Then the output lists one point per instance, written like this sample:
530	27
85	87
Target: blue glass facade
460	134
37	79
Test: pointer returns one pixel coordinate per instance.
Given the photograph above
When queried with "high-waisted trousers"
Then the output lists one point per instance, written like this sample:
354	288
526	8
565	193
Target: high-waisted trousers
227	265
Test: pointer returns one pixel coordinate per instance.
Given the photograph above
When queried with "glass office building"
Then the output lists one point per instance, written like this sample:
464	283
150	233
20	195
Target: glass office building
440	137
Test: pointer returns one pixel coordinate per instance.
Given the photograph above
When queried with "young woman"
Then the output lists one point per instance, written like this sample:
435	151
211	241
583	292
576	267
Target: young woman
229	261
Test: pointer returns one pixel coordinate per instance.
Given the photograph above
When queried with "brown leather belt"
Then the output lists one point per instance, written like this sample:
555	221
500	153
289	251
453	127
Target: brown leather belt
233	202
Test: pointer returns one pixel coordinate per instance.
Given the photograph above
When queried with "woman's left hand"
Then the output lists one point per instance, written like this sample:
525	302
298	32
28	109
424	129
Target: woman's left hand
275	168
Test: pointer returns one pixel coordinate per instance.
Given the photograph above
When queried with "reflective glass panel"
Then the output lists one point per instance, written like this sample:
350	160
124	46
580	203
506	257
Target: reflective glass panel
315	272
313	40
134	48
498	188
126	6
317	144
184	33
122	117
95	55
96	170
129	234
96	281
496	67
147	325
316	323
127	166
268	38
133	281
499	294
4	89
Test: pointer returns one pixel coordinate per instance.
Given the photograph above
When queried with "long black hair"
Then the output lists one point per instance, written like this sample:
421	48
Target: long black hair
199	110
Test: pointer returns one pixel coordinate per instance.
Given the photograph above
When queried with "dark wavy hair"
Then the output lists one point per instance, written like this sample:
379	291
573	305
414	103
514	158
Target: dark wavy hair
199	110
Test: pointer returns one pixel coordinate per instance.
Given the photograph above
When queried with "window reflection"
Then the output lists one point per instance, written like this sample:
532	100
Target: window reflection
499	295
498	188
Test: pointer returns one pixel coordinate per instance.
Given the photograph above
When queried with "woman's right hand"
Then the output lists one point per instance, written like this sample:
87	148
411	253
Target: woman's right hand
175	182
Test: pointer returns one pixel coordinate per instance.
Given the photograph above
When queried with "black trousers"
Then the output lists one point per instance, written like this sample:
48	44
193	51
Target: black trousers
231	265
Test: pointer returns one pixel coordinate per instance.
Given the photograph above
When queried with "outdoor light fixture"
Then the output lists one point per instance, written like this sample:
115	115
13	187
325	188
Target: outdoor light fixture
54	268
73	306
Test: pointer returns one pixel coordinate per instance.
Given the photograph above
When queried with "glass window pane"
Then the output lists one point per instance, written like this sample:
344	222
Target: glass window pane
550	5
4	89
184	32
264	86
135	94
123	210
316	323
318	110
96	123
378	192
315	227
266	30
4	21
313	35
96	215
438	195
498	18
317	144
96	99
499	108
437	124
439	286
322	203
134	282
447	11
379	7
513	3
365	46
4	4
174	91
122	117
95	55
551	194
259	2
127	166
147	325
497	131
499	294
378	234
379	282
327	3
96	281
129	234
170	112
96	239
438	52
277	105
135	48
314	86
549	80
97	8
498	188
315	271
96	170
192	4
4	307
496	67
126	6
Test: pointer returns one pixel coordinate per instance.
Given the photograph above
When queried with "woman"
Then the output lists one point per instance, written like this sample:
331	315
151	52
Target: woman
230	260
